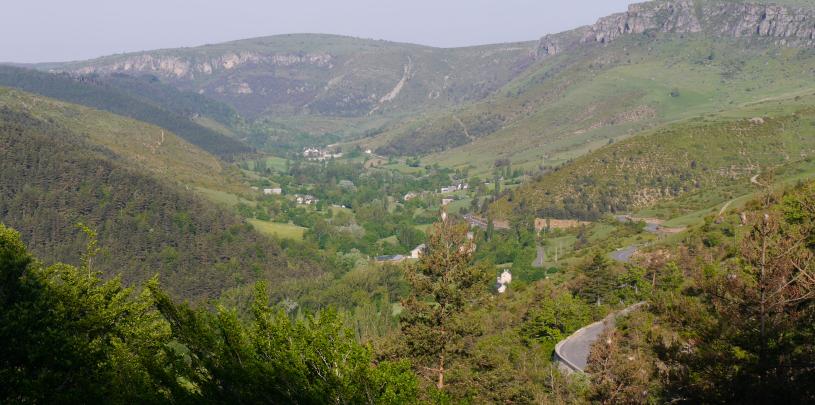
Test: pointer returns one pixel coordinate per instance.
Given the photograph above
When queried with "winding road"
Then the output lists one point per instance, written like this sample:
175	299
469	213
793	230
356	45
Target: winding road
624	255
572	353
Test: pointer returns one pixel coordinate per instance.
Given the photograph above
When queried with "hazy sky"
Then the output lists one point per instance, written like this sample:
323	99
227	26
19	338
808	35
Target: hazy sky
59	30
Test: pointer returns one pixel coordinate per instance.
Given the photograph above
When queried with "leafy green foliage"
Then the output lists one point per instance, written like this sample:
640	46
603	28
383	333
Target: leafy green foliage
68	337
555	317
274	359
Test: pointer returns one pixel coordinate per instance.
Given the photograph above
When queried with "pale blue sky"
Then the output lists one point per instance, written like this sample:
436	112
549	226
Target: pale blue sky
59	30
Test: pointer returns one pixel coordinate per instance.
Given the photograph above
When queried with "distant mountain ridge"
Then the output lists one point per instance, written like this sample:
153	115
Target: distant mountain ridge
536	103
323	74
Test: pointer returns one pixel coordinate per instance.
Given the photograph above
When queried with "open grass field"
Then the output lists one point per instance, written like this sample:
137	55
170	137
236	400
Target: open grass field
223	197
283	231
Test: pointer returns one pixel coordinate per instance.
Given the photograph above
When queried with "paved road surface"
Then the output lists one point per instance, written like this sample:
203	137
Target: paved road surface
574	350
538	263
624	255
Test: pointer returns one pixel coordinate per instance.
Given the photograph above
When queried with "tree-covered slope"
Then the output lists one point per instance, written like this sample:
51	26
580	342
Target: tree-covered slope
123	99
696	156
139	145
54	178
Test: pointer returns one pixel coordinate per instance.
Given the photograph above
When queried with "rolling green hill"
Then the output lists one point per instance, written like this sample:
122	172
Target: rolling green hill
660	62
64	164
127	97
139	145
698	163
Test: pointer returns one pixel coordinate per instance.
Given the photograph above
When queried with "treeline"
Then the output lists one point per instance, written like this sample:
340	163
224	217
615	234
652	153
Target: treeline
52	180
66	336
96	94
443	134
184	103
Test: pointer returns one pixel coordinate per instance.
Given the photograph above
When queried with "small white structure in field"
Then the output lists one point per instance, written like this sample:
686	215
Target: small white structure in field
272	191
368	151
503	281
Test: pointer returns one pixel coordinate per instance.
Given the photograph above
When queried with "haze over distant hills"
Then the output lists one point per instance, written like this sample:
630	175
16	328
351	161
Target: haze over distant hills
323	84
537	105
360	221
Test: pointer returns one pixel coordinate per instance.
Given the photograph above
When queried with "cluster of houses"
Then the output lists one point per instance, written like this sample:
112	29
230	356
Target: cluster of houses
306	199
454	188
319	154
476	221
302	199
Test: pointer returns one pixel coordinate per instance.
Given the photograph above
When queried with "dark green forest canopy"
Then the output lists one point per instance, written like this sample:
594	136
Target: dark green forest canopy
53	180
66	336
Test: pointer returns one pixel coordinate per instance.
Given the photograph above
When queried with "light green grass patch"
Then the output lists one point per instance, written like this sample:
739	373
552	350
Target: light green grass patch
284	231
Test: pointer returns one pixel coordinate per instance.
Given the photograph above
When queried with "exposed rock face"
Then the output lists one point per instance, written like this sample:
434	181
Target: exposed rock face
789	26
549	46
662	16
187	68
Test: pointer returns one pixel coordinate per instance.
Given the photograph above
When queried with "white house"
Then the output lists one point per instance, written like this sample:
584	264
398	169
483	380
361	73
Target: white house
418	251
273	191
503	281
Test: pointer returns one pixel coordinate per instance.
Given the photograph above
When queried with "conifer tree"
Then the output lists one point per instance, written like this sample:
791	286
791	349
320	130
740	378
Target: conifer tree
445	285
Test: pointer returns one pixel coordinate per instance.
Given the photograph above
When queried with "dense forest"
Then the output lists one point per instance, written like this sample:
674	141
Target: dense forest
728	319
69	337
53	180
98	94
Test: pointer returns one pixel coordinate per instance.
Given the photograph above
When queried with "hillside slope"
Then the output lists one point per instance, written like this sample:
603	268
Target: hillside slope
700	156
139	145
62	165
126	102
324	75
660	62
